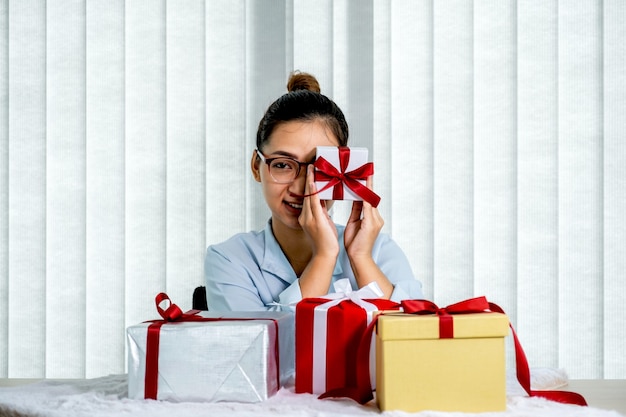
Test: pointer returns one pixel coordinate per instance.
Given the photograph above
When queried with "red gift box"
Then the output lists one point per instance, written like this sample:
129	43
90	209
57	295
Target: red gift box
328	333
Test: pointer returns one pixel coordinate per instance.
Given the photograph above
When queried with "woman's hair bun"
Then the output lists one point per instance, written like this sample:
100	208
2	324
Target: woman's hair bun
302	81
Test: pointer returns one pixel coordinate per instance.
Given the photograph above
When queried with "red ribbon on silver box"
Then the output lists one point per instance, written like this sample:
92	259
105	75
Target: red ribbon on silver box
173	314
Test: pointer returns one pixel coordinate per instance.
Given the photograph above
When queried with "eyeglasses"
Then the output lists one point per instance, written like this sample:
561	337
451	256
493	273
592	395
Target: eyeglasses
283	170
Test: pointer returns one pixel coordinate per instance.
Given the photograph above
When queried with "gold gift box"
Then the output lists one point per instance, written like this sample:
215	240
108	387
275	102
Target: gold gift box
416	370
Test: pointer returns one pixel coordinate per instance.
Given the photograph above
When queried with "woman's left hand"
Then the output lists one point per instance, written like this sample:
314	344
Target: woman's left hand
362	228
359	236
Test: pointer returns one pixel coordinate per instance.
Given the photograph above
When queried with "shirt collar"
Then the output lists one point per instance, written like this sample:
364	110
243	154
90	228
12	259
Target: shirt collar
274	260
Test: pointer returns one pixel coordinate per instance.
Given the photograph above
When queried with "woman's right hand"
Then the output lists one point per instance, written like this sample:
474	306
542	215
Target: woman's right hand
322	233
316	222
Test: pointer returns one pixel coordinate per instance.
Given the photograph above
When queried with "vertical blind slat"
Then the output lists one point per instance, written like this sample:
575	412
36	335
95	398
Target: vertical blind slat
313	41
495	147
580	188
537	228
146	124
27	189
614	176
4	188
105	193
185	148
340	43
359	107
453	142
411	140
226	160
381	149
65	191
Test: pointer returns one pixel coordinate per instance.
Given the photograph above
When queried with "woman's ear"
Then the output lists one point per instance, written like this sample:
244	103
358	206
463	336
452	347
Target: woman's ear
255	166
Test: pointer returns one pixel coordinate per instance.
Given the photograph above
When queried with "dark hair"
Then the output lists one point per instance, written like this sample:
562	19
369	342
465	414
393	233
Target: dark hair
302	102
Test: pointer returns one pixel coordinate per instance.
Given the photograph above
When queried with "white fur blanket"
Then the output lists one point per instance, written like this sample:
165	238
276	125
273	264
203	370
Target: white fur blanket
107	397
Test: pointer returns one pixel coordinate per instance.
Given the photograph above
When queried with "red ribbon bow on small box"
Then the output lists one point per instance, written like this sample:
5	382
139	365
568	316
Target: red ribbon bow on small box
325	171
446	322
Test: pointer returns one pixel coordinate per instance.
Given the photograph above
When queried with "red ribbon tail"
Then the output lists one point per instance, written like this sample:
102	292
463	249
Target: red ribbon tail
523	373
362	191
359	395
565	397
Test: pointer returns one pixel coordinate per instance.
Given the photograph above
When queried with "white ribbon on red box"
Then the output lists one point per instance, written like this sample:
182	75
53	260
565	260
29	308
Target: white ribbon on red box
343	292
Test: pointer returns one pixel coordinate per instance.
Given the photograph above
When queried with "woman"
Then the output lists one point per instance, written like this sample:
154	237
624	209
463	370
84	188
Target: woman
301	252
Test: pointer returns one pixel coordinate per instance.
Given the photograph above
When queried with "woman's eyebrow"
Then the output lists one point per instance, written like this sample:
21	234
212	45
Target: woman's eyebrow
290	155
283	153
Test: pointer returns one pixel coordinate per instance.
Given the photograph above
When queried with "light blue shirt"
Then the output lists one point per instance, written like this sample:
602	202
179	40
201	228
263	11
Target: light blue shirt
249	272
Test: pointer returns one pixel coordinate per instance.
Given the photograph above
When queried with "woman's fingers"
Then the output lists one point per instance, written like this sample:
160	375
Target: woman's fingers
313	209
306	203
355	213
371	215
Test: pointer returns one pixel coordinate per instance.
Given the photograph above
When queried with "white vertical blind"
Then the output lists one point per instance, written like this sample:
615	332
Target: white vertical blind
614	185
4	185
145	154
226	128
580	186
359	76
127	128
381	116
185	210
105	177
411	140
65	187
537	177
26	211
312	40
453	148
494	153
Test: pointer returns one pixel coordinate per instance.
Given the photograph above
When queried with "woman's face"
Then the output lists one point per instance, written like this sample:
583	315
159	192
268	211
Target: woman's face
298	140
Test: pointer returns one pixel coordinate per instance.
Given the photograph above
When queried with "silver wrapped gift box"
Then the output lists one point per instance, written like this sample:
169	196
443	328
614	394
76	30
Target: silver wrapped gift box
225	360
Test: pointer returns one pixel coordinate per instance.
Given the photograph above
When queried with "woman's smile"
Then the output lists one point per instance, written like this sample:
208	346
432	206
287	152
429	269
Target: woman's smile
294	207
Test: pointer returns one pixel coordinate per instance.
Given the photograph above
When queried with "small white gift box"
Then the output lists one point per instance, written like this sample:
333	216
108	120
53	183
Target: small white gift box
341	174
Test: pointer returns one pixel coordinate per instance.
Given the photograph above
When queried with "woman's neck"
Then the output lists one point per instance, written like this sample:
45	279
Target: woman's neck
295	246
